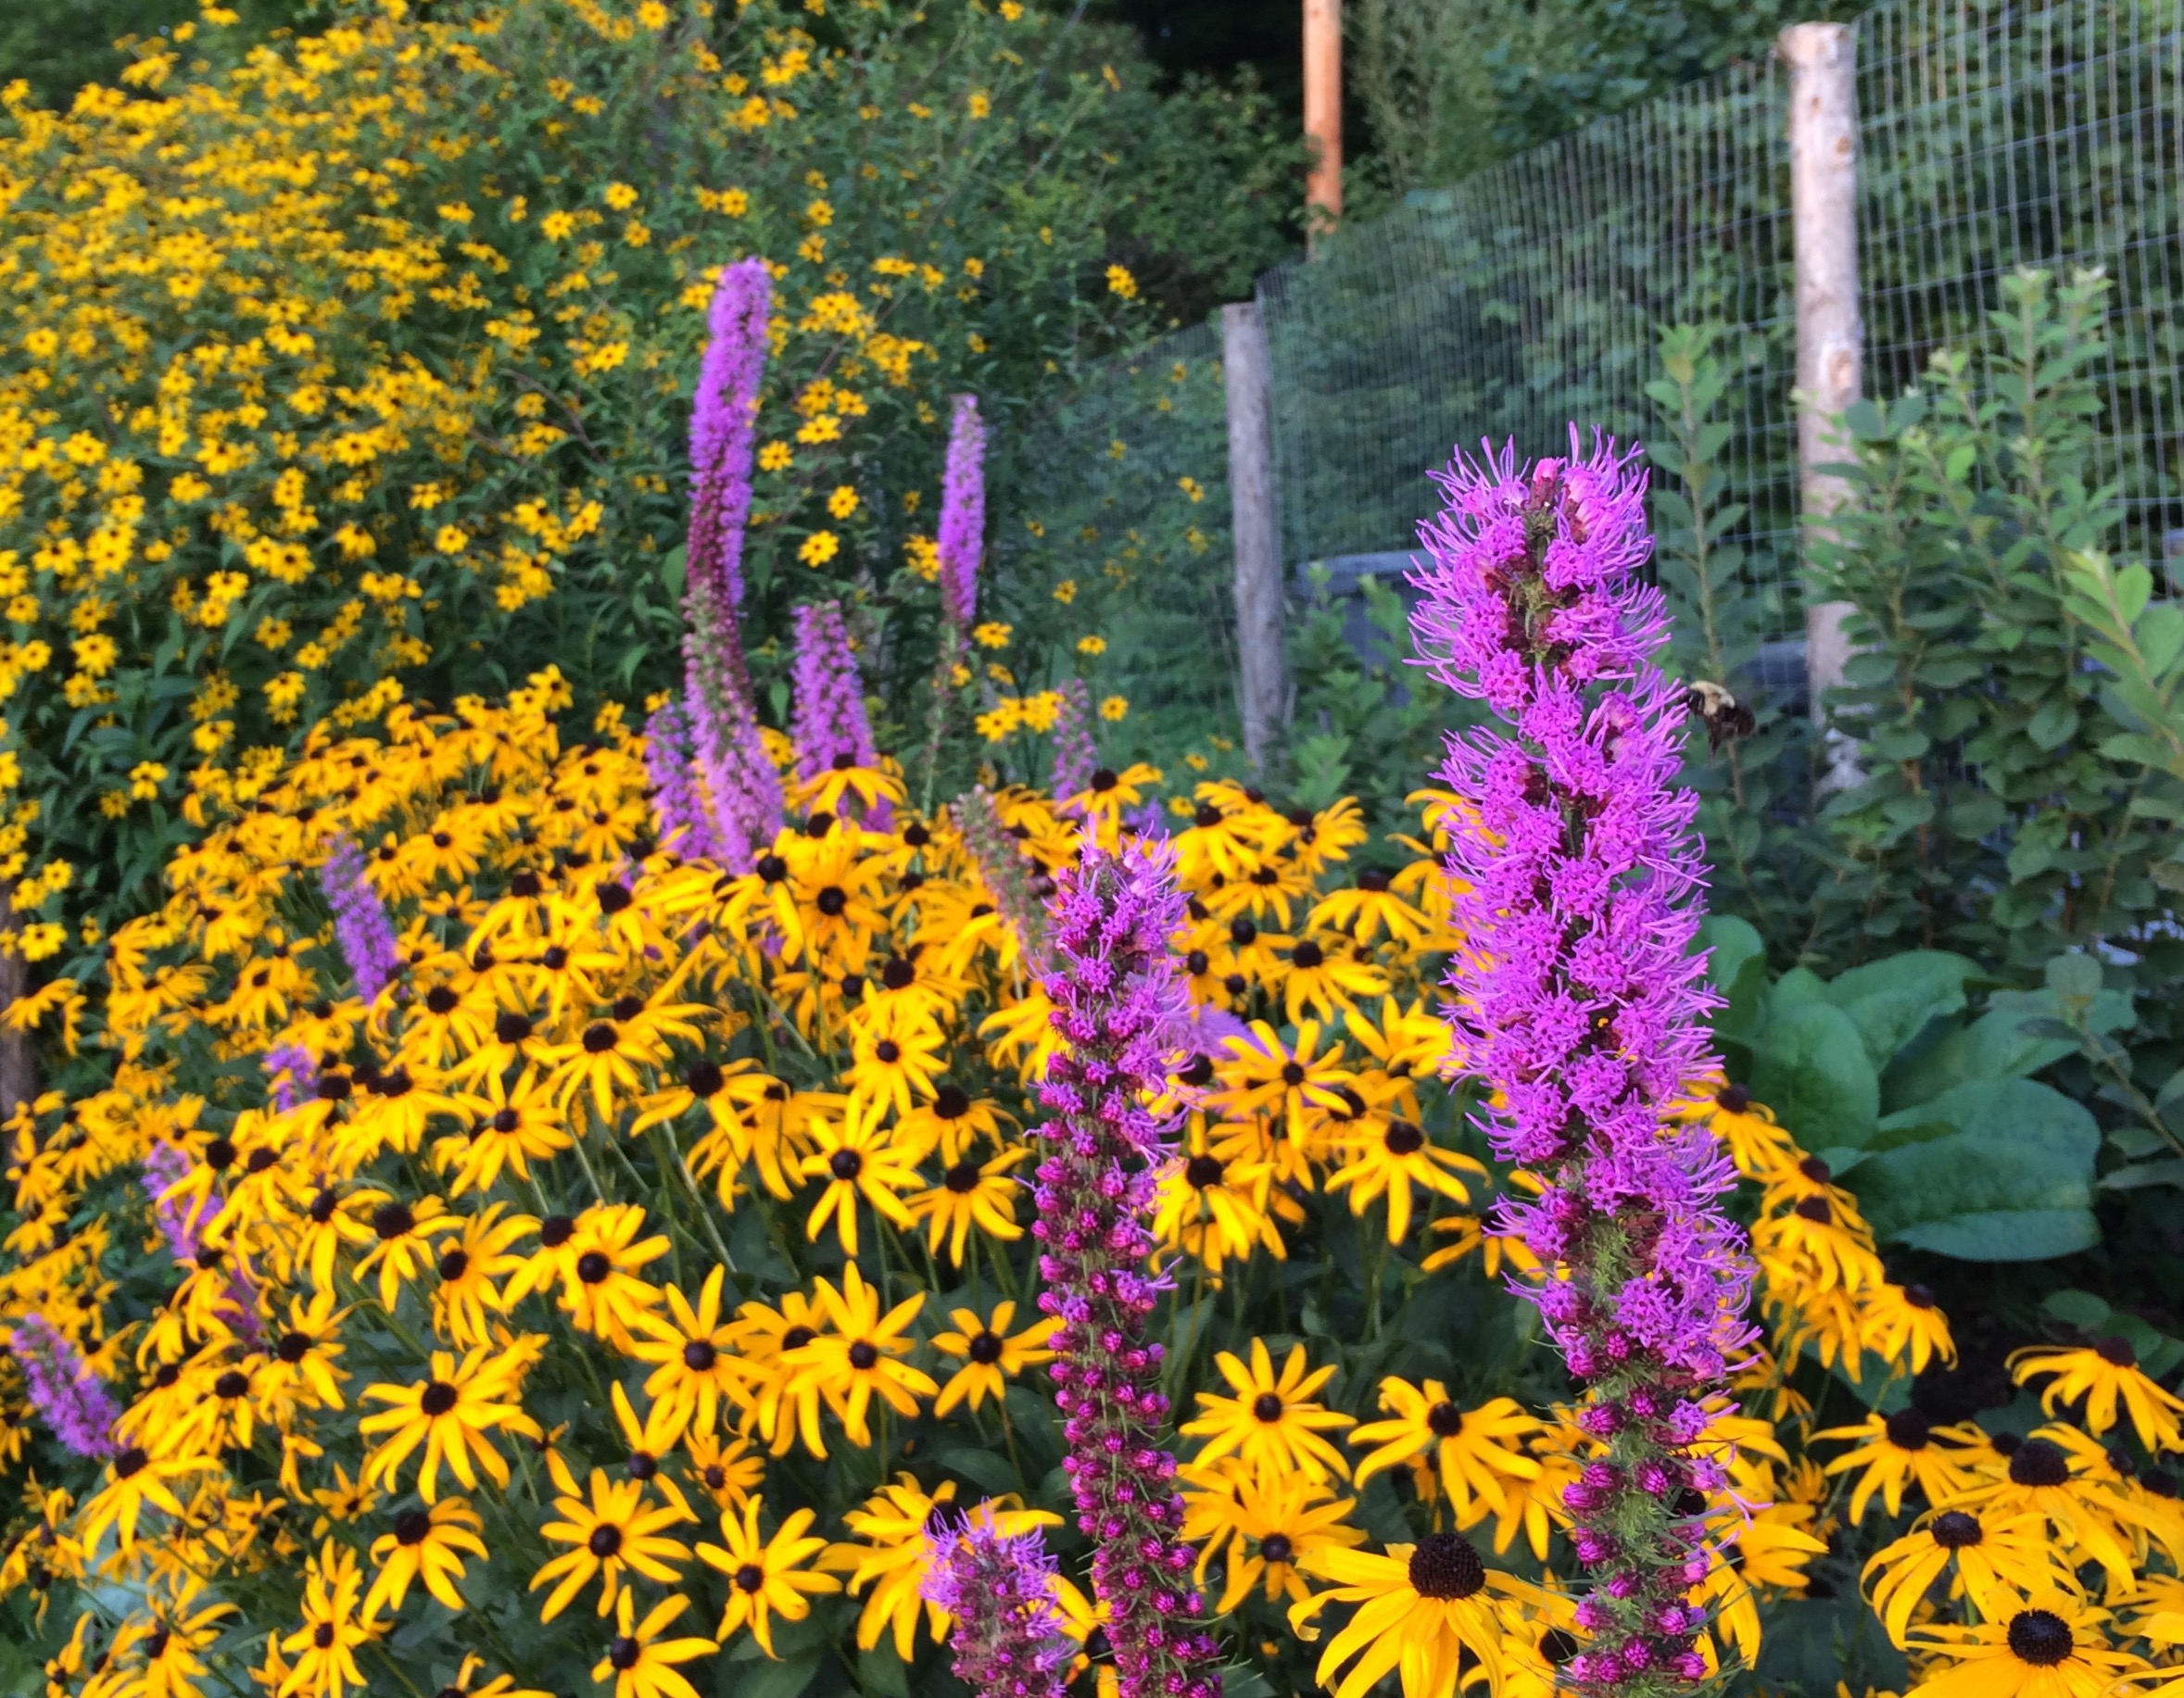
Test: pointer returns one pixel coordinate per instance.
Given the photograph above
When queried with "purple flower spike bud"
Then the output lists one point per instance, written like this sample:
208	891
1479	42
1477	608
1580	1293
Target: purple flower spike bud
829	725
1008	1639
1118	998
365	935
742	790
963	514
66	1393
1581	1001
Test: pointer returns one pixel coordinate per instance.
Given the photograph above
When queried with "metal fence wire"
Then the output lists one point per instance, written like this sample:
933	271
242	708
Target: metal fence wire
1993	134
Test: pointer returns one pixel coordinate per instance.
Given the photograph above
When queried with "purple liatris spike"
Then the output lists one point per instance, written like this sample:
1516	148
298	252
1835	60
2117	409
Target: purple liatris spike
360	926
742	790
1119	1004
724	426
1008	1639
963	514
1579	998
1077	752
293	1072
828	724
63	1390
164	1168
678	815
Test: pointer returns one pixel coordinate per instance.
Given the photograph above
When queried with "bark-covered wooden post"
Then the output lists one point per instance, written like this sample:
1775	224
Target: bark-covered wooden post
1257	523
1823	60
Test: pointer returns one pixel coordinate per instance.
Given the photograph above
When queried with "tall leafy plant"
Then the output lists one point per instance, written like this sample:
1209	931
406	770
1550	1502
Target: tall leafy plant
1749	772
1993	815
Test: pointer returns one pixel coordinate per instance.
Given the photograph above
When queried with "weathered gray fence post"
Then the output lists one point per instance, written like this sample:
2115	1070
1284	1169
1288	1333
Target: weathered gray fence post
1823	60
1256	521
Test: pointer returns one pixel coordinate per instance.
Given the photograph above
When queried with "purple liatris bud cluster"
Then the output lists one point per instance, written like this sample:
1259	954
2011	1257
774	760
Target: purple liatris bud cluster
293	1072
365	935
742	790
828	724
1077	752
1008	1639
166	1167
724	426
963	514
1118	1004
1580	1001
63	1390
678	812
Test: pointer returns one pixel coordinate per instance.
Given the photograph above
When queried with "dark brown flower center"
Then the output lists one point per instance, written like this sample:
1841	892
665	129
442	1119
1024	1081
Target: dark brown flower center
1909	1430
1445	1566
2040	1462
2041	1638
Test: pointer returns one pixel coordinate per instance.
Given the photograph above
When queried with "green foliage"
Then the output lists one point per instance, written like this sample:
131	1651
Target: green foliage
1868	1071
1447	89
1751	782
59	45
1366	724
1993	815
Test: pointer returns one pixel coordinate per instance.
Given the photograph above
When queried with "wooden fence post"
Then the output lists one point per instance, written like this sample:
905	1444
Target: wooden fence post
1823	60
1324	115
1256	521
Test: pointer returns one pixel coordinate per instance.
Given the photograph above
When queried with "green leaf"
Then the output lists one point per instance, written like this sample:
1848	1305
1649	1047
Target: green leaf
2169	1104
2074	976
2053	725
982	1468
782	1679
881	1670
2161	636
1810	1067
1737	967
2075	1308
1994	1046
2138	1176
2013	1183
1891	1000
2134	584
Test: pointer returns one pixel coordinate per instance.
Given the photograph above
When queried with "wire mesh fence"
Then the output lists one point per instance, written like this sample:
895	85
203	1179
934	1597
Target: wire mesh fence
1993	134
1126	491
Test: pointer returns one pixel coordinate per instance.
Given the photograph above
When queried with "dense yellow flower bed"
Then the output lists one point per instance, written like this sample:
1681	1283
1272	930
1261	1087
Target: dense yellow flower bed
627	1283
323	362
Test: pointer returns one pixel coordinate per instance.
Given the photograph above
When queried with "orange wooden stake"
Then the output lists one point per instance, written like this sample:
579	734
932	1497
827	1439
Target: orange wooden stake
1323	112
